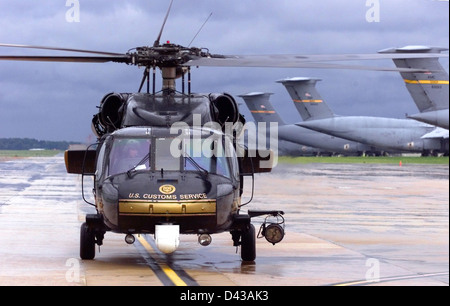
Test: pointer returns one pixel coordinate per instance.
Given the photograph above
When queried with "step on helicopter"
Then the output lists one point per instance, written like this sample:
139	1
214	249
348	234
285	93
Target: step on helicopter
168	163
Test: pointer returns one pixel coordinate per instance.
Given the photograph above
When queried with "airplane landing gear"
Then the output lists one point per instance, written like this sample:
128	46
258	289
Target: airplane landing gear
91	233
87	242
244	233
248	244
246	239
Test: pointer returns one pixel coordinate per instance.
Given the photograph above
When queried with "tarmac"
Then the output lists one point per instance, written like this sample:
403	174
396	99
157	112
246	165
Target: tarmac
346	225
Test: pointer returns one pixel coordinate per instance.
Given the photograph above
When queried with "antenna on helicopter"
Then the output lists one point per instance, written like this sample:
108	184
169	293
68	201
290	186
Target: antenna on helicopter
199	30
156	43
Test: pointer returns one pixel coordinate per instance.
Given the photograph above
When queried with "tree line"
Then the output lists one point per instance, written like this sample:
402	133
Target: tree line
29	143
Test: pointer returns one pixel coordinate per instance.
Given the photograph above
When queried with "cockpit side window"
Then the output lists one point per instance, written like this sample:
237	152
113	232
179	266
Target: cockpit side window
101	161
232	158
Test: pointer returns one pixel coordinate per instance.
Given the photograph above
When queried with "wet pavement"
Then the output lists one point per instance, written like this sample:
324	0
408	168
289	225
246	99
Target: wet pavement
358	224
396	216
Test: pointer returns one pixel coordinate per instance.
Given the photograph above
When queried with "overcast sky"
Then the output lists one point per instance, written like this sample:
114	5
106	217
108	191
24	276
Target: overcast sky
56	101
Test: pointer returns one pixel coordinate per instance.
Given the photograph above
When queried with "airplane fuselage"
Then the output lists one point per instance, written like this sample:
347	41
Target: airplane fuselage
329	143
396	134
438	118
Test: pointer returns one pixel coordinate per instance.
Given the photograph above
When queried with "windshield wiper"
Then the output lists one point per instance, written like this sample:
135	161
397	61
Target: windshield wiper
144	160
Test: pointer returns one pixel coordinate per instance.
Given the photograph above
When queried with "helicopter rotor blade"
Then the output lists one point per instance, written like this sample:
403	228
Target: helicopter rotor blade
60	49
156	43
174	55
67	59
305	61
208	63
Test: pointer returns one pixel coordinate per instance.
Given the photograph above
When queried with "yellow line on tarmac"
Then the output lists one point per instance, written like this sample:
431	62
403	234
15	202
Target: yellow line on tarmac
171	274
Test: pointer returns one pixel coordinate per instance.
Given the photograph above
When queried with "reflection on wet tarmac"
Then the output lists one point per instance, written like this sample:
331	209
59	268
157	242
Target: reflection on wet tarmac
338	217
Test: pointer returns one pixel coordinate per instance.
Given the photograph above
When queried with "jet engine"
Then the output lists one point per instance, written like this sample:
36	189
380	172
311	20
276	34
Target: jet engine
117	110
110	113
225	108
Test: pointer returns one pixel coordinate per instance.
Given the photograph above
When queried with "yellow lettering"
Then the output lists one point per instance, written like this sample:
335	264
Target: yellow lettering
133	195
193	196
149	196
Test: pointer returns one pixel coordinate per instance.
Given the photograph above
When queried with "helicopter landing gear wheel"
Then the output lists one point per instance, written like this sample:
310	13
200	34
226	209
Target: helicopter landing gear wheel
248	245
87	242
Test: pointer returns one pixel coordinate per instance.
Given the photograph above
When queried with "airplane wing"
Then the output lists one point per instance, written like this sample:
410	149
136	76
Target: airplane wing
437	133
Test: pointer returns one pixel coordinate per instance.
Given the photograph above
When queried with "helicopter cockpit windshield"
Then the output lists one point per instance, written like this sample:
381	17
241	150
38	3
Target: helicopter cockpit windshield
207	156
128	154
203	155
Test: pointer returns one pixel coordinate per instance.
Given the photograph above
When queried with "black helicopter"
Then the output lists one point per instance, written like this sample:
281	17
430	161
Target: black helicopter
169	162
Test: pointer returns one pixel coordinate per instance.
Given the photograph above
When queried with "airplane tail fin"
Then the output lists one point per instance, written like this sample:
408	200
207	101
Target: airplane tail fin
428	90
307	99
262	110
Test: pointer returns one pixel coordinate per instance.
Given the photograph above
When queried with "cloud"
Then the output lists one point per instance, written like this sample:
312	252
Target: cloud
56	101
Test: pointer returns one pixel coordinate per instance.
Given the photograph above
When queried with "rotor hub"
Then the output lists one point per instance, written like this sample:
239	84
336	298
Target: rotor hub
166	55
